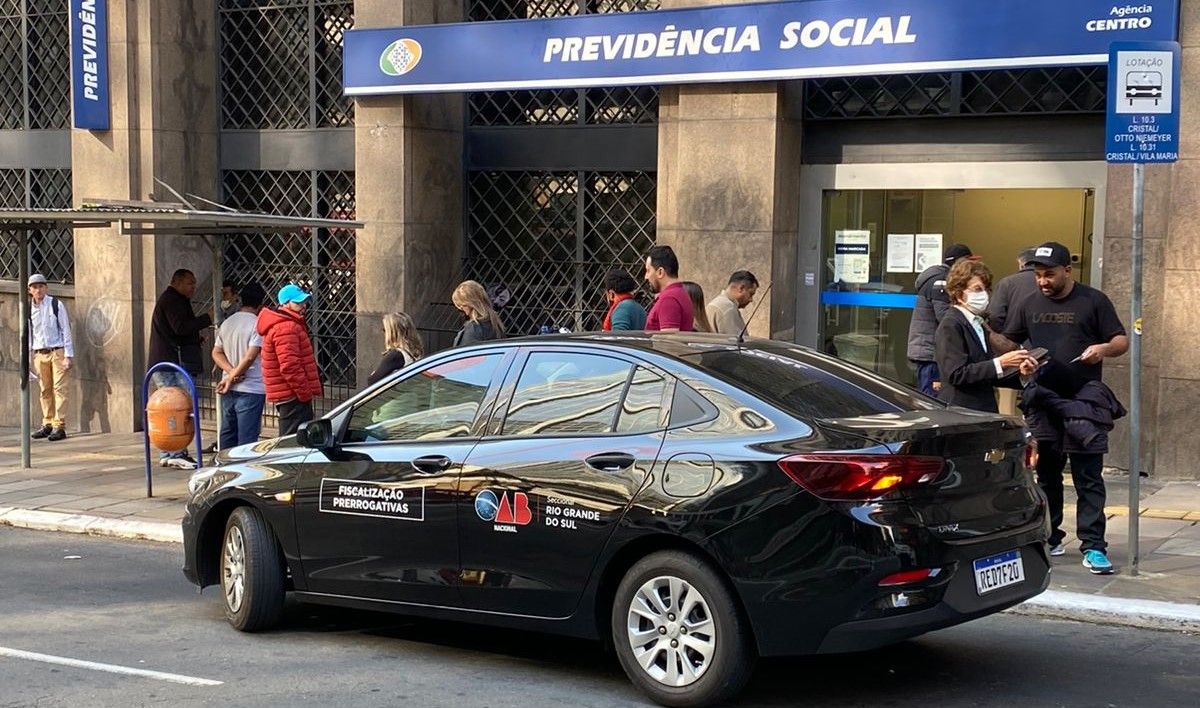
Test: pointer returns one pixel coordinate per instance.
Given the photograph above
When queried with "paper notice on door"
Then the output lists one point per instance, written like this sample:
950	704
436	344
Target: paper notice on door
900	253
929	250
852	256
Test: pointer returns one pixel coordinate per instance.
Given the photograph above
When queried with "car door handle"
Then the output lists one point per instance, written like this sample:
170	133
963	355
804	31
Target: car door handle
611	461
432	464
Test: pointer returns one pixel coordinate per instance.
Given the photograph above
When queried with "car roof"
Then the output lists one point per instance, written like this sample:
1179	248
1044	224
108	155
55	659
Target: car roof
673	344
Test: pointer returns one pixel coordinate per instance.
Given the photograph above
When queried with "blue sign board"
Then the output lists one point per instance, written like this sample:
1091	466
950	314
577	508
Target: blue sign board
762	41
89	64
1143	102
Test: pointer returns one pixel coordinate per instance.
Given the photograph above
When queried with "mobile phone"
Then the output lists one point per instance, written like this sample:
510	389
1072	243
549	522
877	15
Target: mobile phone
1040	354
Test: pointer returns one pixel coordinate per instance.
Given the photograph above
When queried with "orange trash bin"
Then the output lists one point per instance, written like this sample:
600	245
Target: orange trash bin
169	419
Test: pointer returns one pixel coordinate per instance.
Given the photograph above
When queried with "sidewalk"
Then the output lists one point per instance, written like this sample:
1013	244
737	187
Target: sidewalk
96	484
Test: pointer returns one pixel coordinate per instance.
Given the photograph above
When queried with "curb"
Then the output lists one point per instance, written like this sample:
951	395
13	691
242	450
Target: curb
91	525
1118	611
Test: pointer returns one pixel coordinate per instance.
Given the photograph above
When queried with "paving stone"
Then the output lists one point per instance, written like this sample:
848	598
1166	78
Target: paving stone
47	500
1181	547
24	484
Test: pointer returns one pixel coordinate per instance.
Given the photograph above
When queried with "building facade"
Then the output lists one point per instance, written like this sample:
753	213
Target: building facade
241	102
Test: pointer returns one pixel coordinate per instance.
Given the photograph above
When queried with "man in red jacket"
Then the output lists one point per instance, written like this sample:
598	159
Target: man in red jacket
288	365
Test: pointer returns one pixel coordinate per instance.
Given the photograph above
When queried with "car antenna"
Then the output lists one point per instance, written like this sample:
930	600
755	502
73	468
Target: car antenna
742	335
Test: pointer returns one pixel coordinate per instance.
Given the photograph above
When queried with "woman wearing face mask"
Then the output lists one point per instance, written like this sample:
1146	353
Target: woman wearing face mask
969	368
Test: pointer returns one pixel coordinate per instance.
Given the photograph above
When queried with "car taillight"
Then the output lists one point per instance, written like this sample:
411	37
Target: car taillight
1031	454
850	477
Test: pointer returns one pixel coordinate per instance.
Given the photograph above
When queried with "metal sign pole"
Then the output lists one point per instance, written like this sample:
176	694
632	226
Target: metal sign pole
218	280
1141	125
1135	368
23	311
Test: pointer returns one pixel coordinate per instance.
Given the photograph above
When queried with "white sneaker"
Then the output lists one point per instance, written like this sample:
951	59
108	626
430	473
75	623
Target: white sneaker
1059	550
179	463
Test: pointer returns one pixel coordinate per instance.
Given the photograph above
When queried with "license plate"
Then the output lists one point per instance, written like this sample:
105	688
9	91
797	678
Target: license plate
999	571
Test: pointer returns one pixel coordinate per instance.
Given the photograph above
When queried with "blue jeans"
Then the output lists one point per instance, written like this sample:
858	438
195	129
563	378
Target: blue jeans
159	379
927	373
241	418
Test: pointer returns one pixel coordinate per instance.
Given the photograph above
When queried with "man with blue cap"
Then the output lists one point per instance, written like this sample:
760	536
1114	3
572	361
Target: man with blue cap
289	366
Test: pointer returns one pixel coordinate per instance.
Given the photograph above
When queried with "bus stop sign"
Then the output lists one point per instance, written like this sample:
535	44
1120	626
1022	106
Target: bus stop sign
1143	102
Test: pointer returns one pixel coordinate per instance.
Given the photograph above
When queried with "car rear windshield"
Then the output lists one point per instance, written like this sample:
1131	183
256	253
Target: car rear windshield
809	385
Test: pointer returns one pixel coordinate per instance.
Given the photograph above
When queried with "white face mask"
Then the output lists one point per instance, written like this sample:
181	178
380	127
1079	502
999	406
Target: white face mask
977	301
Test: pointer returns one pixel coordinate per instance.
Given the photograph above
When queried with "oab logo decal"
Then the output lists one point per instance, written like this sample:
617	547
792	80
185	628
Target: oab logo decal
505	511
400	57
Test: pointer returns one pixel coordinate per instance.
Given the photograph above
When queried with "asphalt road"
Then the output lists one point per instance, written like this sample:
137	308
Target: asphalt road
125	604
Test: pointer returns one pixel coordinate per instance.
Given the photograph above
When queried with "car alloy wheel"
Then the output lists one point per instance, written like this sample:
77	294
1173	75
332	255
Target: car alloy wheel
671	631
678	631
253	578
233	569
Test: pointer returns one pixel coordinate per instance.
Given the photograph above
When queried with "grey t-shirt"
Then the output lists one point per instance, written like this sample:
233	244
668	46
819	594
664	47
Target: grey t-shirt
236	335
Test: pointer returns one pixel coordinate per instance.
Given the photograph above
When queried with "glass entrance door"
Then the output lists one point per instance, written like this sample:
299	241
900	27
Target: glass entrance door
877	242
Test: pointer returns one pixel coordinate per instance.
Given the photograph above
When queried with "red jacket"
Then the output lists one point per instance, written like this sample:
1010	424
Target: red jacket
288	365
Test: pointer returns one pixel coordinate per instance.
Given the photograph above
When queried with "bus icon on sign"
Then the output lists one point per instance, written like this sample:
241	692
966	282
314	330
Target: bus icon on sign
1144	86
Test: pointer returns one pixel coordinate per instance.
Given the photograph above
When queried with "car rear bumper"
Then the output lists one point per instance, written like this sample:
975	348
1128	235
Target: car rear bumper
961	603
861	618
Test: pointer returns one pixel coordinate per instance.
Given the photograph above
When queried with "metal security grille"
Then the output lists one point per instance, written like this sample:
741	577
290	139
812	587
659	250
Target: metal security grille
35	79
281	63
552	236
52	253
1065	90
621	105
322	261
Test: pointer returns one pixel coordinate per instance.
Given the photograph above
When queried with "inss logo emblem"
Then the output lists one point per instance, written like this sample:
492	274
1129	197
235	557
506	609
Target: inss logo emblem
503	510
400	57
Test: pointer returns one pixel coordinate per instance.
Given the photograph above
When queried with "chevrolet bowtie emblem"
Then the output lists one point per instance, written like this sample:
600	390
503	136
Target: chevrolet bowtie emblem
994	456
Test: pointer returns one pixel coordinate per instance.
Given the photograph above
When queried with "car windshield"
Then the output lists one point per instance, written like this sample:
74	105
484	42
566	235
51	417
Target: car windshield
807	384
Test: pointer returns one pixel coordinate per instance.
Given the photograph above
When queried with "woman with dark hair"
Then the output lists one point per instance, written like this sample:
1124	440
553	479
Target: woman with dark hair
970	371
699	312
624	313
483	324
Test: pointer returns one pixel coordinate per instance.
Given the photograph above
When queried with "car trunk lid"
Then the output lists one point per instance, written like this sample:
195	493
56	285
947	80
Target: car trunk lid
985	487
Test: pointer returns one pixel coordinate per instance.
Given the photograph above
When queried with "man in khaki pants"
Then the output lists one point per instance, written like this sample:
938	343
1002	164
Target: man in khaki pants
53	352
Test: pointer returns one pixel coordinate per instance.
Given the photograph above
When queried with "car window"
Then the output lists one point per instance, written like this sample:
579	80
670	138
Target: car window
564	393
439	402
809	385
641	411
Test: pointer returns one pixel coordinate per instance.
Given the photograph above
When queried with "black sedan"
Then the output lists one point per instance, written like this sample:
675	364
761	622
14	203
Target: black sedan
696	500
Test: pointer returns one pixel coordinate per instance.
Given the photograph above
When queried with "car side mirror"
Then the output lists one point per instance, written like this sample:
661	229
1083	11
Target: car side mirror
317	434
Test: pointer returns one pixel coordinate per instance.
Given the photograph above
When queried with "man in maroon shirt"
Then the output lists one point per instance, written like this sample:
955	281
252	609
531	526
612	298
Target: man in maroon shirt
672	310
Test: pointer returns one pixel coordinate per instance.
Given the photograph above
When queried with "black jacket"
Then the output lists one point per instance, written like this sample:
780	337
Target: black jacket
968	372
932	305
1080	424
175	332
475	331
1010	291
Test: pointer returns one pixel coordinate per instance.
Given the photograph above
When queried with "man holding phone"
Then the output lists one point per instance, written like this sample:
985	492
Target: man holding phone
1079	328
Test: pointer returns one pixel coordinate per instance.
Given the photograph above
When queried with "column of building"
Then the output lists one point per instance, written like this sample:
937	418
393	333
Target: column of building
162	76
409	180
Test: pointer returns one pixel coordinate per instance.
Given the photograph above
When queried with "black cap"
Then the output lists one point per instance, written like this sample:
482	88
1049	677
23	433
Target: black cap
1051	254
956	252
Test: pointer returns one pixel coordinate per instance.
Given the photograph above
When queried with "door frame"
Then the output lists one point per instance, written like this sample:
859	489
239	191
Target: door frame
815	180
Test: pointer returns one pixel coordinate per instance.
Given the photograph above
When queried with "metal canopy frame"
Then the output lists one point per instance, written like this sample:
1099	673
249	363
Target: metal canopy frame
133	219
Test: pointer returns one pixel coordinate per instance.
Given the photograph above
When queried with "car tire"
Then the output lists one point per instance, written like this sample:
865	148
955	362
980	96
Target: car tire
252	573
662	650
